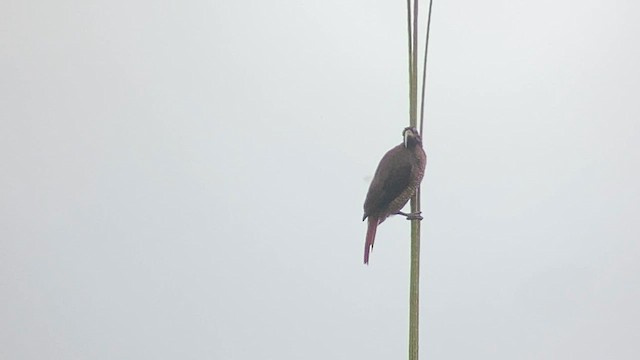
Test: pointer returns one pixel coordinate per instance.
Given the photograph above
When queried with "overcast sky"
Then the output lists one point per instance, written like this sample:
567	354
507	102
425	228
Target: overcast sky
185	180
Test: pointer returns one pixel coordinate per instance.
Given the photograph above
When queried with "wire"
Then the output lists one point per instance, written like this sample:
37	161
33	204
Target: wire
424	68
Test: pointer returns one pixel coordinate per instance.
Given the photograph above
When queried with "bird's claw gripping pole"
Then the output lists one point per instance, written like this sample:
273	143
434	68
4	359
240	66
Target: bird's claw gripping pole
411	216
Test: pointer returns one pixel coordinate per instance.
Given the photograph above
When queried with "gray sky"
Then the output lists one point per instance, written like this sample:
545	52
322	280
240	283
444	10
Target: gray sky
185	180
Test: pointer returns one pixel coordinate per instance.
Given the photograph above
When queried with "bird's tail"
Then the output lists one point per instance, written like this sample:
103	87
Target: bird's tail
371	237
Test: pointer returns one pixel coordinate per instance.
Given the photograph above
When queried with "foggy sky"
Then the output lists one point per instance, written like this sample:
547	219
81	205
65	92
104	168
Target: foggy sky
186	180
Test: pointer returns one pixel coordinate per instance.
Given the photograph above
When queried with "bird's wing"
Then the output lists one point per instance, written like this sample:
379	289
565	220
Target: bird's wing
391	179
395	183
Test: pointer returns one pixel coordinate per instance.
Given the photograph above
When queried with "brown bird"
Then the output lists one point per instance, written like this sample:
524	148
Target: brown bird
397	177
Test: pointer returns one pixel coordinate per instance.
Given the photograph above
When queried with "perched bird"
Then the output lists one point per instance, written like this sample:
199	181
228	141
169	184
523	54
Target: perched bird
397	177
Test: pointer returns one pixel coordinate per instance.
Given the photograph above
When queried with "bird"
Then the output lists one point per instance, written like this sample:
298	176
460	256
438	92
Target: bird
397	178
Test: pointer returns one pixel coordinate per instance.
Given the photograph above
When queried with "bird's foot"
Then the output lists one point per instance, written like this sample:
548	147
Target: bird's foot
411	216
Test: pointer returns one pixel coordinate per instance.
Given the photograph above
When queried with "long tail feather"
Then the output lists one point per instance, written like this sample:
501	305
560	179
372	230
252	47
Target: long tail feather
371	237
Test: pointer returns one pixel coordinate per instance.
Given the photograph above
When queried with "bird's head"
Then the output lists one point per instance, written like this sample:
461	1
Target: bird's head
411	137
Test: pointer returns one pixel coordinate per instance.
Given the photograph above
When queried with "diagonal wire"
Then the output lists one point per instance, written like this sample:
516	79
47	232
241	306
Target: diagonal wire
424	67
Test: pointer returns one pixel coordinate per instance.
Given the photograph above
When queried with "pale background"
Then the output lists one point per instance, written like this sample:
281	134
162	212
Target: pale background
184	180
